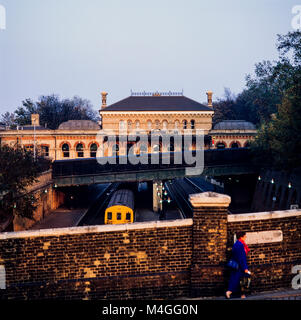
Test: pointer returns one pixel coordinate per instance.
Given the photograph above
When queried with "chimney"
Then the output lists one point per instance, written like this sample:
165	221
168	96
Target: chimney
35	120
104	100
209	97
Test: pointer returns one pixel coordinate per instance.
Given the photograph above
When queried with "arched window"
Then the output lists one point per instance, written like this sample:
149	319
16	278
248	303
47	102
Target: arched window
247	144
234	145
129	125
157	124
184	124
220	145
93	150
192	124
66	150
137	124
45	151
80	150
177	123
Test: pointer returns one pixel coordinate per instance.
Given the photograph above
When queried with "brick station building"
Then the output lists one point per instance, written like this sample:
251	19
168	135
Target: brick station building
141	113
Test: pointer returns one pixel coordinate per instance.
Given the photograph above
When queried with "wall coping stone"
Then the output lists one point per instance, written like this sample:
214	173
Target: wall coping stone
263	215
209	199
95	229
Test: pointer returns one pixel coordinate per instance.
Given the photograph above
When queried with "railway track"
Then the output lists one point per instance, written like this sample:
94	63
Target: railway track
95	214
179	190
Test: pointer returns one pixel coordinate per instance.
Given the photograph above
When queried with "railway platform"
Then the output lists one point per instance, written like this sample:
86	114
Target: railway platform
60	218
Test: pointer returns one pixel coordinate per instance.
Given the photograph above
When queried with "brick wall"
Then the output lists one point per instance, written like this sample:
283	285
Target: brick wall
164	259
270	262
143	260
47	197
209	251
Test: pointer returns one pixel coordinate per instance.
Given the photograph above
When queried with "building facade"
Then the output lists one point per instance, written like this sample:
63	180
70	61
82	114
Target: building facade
139	115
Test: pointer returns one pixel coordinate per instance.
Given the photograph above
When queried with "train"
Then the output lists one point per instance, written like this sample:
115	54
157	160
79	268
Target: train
120	208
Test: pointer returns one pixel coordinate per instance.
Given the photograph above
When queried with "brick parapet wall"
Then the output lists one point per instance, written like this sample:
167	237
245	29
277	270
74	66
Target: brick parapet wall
209	250
270	262
164	259
144	260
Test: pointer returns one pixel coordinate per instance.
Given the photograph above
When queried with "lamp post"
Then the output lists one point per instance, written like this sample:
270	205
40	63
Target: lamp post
34	141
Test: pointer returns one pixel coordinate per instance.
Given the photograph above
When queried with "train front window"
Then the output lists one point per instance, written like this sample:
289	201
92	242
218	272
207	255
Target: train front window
118	216
109	215
128	216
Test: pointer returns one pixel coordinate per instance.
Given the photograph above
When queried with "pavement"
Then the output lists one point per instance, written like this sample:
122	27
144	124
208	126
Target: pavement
60	218
279	294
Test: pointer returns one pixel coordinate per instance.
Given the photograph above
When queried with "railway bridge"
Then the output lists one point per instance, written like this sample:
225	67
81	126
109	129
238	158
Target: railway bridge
154	168
166	166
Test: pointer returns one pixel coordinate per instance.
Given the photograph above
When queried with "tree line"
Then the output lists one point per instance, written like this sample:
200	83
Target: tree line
52	110
272	101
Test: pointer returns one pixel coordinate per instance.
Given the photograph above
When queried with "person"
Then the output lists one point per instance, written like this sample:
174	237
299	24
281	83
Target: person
240	251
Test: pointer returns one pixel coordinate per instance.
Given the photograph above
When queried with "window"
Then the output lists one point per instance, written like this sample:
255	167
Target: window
177	124
128	216
234	145
66	150
109	215
118	216
165	125
93	150
157	124
80	150
29	148
115	150
129	125
137	124
185	124
122	125
149	125
45	151
192	124
220	145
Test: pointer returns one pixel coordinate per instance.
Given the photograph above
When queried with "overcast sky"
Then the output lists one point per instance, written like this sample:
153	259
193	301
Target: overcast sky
83	47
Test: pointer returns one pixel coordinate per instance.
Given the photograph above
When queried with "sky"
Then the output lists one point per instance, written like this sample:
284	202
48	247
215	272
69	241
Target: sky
82	47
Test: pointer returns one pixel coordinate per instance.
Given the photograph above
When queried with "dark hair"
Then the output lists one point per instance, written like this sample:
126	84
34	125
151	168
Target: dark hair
240	234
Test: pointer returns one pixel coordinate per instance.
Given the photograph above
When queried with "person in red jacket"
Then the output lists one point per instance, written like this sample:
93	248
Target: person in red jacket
240	251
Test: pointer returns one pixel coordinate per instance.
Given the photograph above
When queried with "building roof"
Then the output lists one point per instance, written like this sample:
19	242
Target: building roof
157	103
79	125
234	125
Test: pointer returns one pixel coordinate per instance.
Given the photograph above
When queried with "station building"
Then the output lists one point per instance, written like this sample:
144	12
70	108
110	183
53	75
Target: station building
139	114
